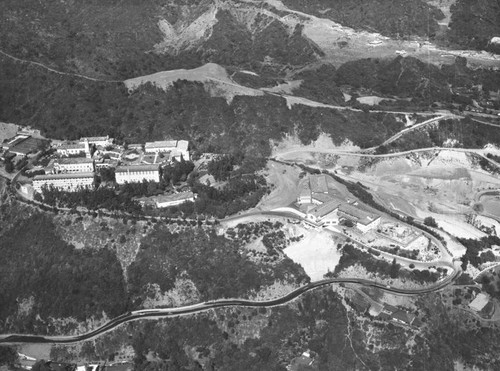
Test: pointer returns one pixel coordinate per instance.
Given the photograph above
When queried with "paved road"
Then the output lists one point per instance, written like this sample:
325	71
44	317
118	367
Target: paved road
479	152
223	303
414	127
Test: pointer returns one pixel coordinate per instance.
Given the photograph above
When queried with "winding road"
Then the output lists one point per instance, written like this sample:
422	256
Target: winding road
222	303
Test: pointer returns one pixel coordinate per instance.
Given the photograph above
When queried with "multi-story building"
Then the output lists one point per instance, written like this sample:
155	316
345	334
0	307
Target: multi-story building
137	173
64	182
73	165
98	141
176	148
364	219
325	214
72	149
175	199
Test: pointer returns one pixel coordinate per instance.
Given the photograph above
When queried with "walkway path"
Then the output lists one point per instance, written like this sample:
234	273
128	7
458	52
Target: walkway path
38	64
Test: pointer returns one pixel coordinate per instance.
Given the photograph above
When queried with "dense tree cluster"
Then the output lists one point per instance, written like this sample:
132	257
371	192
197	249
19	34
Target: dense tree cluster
474	23
398	19
222	166
240	193
61	280
177	171
320	85
430	222
8	356
475	247
102	198
213	263
141	189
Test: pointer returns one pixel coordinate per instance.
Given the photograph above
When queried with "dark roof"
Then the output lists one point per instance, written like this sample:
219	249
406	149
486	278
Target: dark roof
403	316
357	212
322	210
28	145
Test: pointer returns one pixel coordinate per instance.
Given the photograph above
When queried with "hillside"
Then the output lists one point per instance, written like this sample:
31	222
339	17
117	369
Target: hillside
67	271
474	23
398	19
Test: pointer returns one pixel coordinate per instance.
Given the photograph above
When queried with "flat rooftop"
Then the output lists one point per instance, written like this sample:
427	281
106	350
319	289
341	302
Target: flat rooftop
64	176
136	168
95	139
73	160
174	197
161	144
72	146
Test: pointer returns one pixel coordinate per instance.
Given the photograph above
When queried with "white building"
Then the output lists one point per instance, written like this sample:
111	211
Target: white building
175	199
314	190
98	141
479	302
72	149
364	219
176	148
64	182
137	173
74	165
325	214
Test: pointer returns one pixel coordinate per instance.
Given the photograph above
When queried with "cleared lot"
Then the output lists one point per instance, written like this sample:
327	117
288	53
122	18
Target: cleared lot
316	253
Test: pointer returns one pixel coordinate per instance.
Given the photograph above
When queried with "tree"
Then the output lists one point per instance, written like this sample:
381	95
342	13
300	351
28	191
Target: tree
430	221
9	166
394	271
8	356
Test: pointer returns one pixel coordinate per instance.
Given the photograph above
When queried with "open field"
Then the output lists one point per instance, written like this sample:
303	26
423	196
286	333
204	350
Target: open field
316	253
7	131
215	78
284	180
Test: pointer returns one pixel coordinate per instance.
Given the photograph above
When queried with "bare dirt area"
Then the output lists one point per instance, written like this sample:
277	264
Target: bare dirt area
276	290
291	146
284	180
216	79
440	184
7	131
184	292
317	253
342	44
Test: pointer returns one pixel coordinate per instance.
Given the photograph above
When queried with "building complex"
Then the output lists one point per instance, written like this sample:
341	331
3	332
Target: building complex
176	148
137	173
327	206
73	165
63	182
